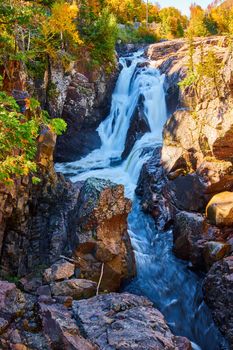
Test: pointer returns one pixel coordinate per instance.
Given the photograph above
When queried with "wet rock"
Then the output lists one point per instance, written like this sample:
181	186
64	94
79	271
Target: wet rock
138	127
220	209
187	193
61	329
215	251
188	237
60	270
75	288
151	187
124	321
103	238
218	292
197	241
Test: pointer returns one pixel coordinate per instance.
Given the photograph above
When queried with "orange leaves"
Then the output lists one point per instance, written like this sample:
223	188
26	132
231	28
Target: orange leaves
62	20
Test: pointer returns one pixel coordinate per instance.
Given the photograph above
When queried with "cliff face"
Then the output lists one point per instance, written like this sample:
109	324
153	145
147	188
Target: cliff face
82	97
39	223
194	166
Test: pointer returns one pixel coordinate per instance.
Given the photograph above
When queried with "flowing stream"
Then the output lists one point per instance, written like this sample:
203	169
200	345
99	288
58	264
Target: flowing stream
167	281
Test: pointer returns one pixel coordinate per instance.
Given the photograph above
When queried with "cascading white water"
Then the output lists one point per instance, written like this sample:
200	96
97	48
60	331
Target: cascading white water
160	276
135	80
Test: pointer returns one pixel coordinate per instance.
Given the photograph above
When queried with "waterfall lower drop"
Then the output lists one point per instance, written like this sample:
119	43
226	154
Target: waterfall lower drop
167	281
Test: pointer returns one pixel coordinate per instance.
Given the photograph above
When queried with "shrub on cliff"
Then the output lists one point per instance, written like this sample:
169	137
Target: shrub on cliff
18	137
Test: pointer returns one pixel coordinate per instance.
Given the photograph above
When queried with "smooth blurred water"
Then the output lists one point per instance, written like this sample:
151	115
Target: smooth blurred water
167	281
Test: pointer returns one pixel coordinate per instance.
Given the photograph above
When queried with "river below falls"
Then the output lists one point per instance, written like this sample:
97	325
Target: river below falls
165	280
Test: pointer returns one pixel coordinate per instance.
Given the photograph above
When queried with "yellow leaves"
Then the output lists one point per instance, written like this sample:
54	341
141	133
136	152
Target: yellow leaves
62	21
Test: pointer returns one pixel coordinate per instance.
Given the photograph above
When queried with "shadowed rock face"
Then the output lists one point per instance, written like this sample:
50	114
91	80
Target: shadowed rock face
102	230
87	221
83	101
218	289
138	127
125	321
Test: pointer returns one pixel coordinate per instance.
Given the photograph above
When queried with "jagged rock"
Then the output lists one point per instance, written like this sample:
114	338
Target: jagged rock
85	103
61	329
220	209
138	127
218	292
197	241
46	145
215	251
188	237
60	270
102	228
125	321
30	283
151	188
180	150
75	288
12	301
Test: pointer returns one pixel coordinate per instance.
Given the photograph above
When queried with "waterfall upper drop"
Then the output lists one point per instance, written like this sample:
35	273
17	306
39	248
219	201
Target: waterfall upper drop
137	81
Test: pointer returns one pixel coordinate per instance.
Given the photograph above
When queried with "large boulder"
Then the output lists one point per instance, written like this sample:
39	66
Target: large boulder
220	209
187	235
61	329
198	242
218	292
60	270
75	288
125	321
104	243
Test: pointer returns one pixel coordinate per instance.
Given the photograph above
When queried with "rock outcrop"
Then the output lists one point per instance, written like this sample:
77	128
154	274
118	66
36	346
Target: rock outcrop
218	290
220	209
102	230
125	321
84	221
113	321
82	98
191	183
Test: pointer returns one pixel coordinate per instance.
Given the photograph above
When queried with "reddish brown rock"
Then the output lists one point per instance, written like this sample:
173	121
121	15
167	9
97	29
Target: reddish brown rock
12	301
218	292
61	329
75	288
60	270
104	240
125	321
220	209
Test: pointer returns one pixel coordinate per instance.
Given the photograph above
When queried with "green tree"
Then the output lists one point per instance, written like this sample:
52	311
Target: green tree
18	137
172	23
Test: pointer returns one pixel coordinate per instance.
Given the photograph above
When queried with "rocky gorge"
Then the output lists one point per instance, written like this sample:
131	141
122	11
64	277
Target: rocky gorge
65	242
188	182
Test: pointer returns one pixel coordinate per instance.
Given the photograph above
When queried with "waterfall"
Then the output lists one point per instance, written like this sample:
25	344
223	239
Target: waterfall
165	280
136	80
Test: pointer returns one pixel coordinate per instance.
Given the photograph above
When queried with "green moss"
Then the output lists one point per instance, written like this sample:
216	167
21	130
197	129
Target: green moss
52	91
